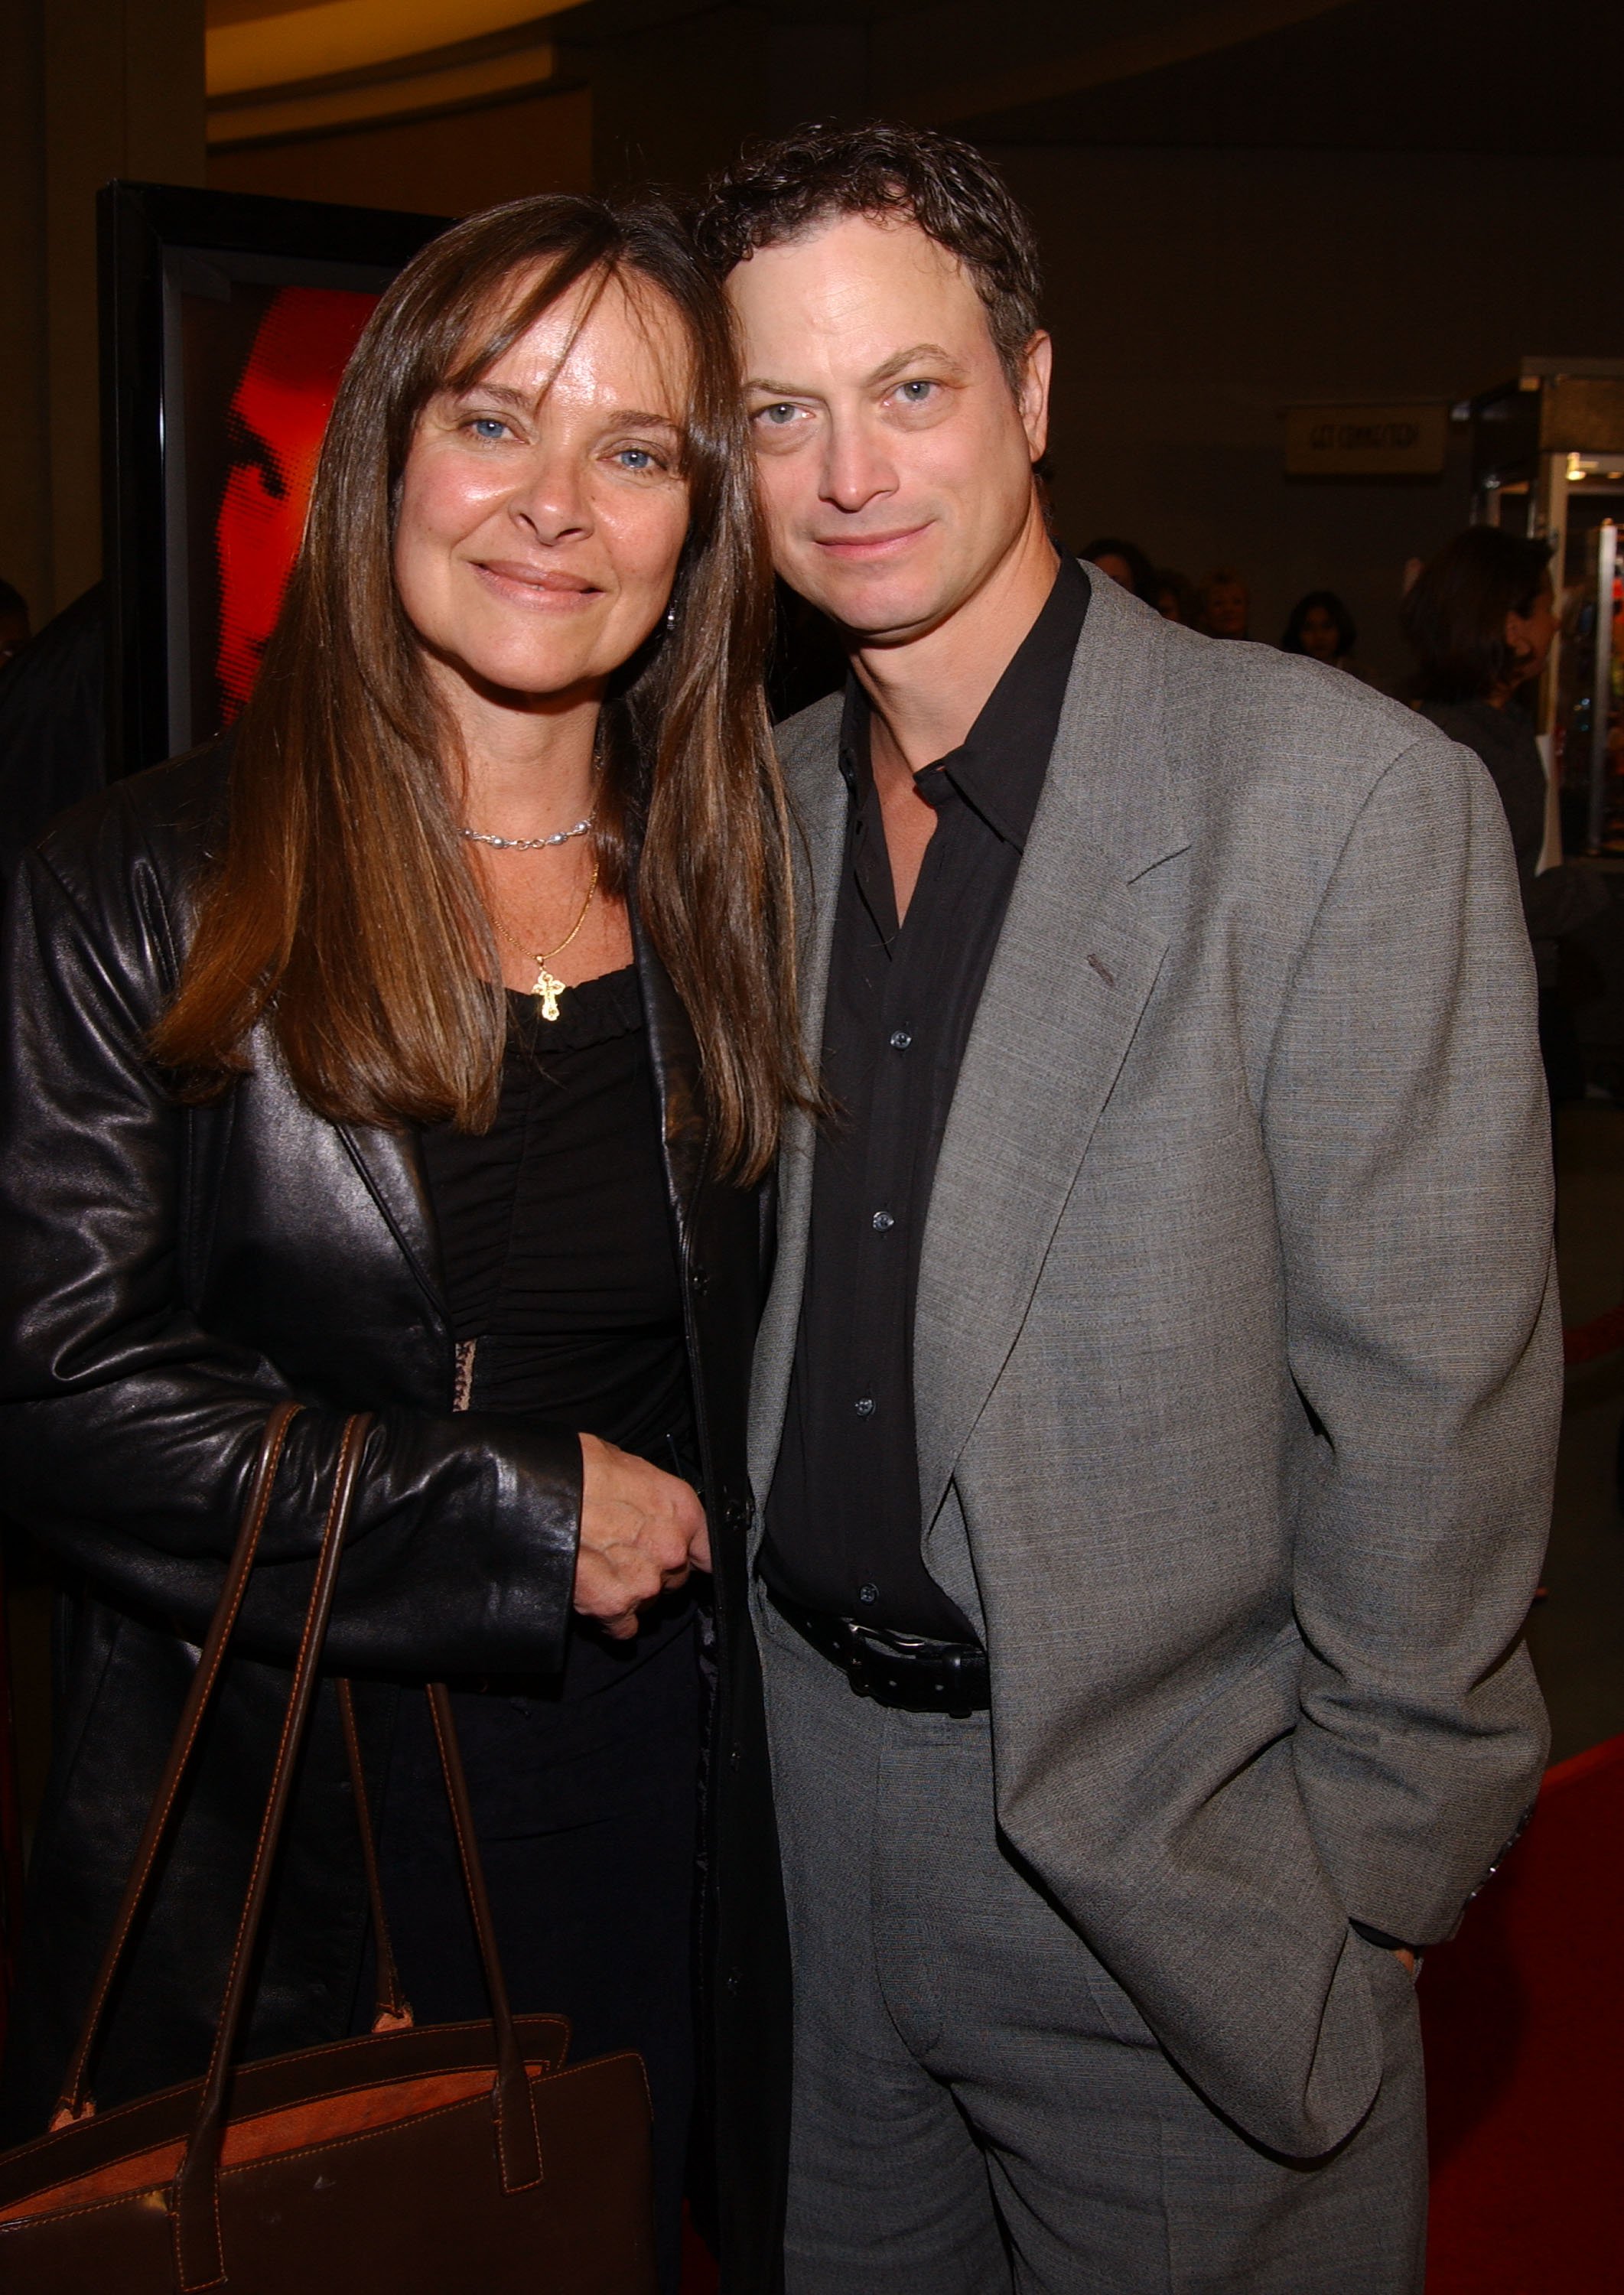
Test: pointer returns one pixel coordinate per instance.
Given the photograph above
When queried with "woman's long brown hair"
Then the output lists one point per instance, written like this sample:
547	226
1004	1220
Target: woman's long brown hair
342	910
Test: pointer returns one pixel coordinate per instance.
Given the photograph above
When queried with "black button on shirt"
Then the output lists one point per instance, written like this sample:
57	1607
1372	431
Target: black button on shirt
843	1516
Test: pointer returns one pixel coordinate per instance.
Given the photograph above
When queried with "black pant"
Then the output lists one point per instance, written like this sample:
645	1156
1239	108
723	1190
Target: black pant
586	1810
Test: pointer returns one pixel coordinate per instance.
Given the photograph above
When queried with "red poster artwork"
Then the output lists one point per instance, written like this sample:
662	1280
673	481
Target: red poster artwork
278	414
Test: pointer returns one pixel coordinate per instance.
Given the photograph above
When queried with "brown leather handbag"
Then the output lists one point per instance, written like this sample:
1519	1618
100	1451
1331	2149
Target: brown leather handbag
415	2160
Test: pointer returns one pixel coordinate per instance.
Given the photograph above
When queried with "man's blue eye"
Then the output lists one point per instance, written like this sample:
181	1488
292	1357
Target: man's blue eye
918	388
779	415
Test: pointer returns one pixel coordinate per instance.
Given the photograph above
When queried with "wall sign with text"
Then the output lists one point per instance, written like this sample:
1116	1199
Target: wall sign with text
1364	442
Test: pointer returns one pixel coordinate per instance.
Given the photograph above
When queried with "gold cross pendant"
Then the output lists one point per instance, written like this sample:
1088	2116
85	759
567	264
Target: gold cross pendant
547	992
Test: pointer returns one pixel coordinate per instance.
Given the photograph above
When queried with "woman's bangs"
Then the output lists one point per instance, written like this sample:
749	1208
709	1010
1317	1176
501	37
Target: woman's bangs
500	312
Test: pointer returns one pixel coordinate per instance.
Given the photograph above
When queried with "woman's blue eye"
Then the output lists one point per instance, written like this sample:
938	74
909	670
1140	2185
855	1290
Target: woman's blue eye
636	458
488	426
780	414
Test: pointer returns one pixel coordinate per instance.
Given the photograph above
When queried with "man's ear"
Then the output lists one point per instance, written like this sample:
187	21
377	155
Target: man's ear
1037	368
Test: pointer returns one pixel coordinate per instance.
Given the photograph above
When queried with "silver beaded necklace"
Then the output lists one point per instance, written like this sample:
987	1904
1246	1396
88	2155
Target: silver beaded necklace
528	843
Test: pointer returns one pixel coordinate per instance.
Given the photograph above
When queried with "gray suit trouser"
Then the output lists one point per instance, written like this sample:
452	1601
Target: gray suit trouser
978	2107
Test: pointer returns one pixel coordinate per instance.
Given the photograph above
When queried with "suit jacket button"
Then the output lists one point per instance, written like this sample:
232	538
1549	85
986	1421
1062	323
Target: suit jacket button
739	1513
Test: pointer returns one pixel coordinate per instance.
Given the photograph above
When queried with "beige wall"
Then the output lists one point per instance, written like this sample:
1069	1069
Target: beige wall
449	165
1193	294
89	89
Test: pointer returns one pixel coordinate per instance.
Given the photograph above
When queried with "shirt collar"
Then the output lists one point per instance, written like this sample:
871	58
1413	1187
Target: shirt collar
1001	766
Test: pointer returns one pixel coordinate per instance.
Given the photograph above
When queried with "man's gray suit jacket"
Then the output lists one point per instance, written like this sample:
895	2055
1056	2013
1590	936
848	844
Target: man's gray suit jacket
1237	1347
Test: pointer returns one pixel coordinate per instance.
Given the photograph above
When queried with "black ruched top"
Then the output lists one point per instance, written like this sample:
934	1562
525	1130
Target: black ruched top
556	1241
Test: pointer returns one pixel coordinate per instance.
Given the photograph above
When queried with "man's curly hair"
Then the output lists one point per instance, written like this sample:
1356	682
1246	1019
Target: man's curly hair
777	190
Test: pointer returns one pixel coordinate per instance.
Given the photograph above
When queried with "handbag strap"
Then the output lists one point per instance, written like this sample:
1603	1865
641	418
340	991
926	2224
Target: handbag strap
195	2207
195	2212
76	2101
518	2143
195	2203
392	2011
519	2147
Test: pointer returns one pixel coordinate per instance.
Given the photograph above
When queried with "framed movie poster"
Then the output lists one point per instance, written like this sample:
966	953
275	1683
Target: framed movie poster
226	322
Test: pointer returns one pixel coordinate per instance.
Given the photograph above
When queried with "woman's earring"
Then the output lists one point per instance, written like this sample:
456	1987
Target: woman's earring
671	615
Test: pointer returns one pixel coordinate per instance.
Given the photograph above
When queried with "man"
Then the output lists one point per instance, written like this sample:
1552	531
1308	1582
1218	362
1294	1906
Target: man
1157	1396
1226	605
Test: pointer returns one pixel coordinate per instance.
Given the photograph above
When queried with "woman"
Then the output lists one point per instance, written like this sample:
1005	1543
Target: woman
1176	598
1481	618
422	1050
1321	627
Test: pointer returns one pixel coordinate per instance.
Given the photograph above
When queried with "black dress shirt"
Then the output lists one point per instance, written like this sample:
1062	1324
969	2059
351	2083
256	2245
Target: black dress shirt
843	1525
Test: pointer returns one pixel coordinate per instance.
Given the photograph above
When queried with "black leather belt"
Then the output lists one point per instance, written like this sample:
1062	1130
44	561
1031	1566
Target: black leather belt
907	1671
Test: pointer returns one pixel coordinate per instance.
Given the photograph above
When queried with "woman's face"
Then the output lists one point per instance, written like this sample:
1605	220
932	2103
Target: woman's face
1320	635
543	511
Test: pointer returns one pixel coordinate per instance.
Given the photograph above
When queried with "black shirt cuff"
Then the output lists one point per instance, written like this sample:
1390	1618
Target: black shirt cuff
1380	1937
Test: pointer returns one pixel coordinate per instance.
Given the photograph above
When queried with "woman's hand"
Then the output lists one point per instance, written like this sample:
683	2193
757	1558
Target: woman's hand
641	1530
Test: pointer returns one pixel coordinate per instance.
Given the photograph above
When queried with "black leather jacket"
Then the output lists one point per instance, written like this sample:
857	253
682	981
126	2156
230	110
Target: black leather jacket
167	1275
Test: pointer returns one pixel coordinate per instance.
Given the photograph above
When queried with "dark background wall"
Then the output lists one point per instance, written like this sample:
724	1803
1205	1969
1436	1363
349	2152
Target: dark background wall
450	164
1242	203
88	89
1194	294
1241	207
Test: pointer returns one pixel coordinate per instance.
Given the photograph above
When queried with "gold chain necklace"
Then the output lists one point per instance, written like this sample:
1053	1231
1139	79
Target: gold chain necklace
549	987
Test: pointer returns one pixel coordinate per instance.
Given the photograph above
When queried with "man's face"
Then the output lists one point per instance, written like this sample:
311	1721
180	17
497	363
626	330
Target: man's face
1228	609
895	464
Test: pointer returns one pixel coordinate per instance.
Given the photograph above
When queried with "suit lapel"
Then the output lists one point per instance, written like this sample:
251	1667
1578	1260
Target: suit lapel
819	797
1075	964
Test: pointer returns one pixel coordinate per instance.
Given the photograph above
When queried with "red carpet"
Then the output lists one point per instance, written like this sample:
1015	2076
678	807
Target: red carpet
699	2274
1524	2015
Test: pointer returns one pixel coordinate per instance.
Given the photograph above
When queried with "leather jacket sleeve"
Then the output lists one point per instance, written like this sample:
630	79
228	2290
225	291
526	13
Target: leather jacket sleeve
129	1429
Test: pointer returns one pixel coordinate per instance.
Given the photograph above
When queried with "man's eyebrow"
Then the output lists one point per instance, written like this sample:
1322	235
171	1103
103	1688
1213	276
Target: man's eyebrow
912	357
